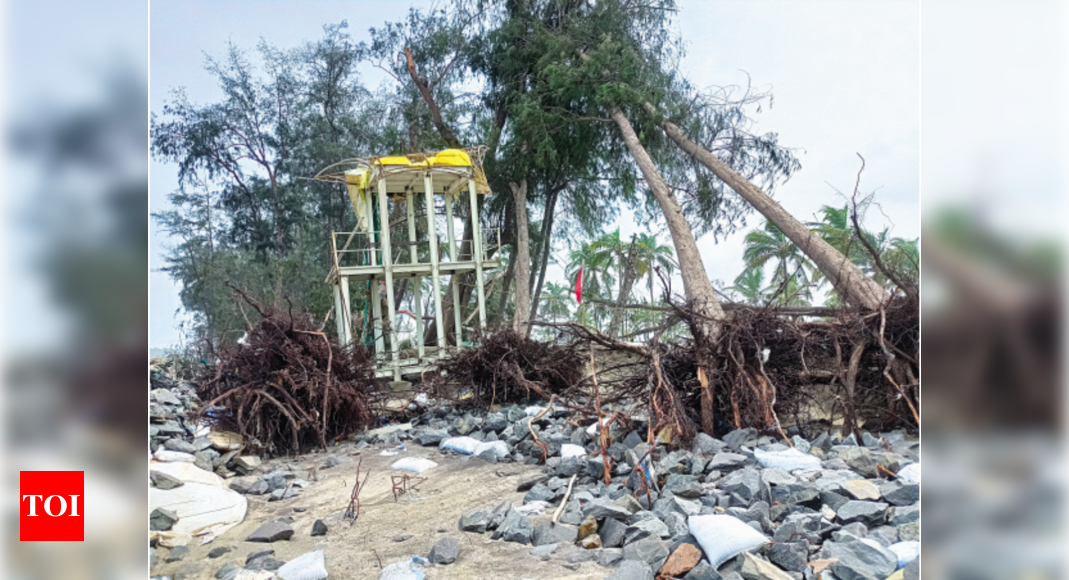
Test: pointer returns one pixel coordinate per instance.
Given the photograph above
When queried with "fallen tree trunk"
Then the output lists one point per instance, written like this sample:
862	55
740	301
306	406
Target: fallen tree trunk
844	275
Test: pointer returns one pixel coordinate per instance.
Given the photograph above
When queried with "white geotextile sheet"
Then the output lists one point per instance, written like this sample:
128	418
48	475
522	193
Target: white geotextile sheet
205	506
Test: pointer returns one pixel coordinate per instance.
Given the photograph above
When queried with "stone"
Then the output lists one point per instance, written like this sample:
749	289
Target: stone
912	571
676	524
591	542
651	550
682	560
702	571
740	437
910	531
609	556
576	555
268	563
905	515
707	445
319	528
431	437
544	551
860	460
898	494
869	513
402	538
754	568
550	533
175	444
218	551
632	570
726	461
588	527
245	464
177	553
496	422
283	493
257	555
612	533
862	489
529	482
602	508
648	527
516	528
539	492
475	521
790	556
633	439
161	480
797	494
272	531
498	515
206	459
629	503
777	476
859	560
746	483
226	570
445	551
161	519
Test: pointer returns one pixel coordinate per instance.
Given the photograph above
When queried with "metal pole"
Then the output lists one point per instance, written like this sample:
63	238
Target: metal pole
432	238
477	245
413	253
339	311
376	299
346	312
454	258
387	263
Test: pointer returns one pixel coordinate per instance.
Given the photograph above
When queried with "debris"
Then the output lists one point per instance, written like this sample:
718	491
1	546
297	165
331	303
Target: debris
445	551
413	464
682	560
403	484
404	570
271	531
290	387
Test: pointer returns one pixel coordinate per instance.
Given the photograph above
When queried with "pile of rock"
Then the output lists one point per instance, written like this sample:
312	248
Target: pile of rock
171	405
825	504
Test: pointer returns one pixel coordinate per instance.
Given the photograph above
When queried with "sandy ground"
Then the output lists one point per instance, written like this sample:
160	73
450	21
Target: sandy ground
458	485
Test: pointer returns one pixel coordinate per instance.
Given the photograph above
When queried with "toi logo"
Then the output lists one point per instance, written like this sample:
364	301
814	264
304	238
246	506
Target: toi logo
51	506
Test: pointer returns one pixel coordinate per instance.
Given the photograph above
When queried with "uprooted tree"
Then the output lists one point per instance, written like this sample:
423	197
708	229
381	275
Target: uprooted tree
288	387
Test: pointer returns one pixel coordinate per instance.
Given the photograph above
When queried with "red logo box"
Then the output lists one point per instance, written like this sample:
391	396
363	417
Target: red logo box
51	506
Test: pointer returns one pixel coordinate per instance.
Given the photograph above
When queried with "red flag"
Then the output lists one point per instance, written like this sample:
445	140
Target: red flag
579	286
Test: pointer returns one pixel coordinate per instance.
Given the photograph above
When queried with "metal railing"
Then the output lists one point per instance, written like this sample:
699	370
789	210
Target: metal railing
350	249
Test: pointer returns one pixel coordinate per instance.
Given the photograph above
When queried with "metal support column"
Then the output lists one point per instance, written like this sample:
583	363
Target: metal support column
387	264
338	310
432	238
376	299
346	313
450	229
477	251
413	253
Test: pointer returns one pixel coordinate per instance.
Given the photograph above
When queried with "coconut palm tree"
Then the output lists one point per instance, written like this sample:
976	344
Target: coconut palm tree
650	256
749	285
770	245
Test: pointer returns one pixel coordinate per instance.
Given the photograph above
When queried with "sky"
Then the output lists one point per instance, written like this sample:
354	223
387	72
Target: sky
845	78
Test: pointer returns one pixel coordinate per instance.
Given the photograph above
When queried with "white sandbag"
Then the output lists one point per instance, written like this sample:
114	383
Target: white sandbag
499	448
533	410
168	455
722	537
532	508
405	570
592	430
254	575
413	464
787	460
310	566
465	445
906	551
203	510
570	450
910	474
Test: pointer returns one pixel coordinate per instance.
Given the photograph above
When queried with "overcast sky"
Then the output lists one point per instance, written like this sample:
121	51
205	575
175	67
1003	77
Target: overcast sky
845	76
